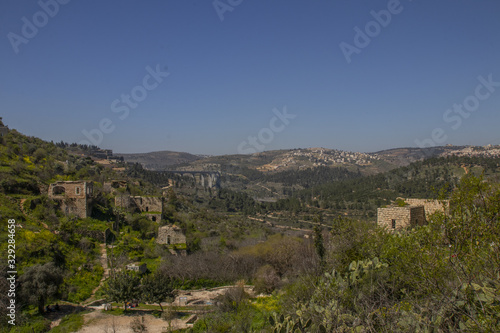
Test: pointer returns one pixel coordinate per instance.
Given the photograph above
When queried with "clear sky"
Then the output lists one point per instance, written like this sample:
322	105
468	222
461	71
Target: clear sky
357	75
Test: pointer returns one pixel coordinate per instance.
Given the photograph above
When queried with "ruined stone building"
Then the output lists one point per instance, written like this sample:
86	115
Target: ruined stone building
171	235
102	153
152	207
400	217
74	197
3	129
416	213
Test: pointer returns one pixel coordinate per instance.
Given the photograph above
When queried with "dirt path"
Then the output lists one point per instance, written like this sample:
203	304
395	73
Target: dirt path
104	263
21	205
98	321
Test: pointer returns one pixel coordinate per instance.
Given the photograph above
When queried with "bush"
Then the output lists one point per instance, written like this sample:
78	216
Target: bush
232	298
266	280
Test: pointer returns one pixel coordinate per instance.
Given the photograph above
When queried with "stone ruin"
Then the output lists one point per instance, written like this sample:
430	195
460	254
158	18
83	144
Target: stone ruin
416	213
430	206
152	207
74	197
171	235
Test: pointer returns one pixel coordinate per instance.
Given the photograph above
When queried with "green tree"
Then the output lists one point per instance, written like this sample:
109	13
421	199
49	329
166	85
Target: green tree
39	283
319	246
157	288
124	286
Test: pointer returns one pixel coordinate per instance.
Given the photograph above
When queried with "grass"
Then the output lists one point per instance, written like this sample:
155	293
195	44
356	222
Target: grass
85	282
152	263
70	323
118	311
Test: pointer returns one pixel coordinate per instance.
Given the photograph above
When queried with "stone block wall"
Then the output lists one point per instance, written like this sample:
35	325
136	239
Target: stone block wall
400	217
170	235
123	201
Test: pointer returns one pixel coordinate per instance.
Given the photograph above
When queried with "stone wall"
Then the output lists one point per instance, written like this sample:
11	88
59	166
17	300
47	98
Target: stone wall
153	217
417	215
74	197
400	217
151	206
170	235
101	236
123	201
430	206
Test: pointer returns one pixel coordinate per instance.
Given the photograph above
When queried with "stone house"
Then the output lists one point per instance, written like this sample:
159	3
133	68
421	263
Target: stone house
171	235
417	212
74	197
400	217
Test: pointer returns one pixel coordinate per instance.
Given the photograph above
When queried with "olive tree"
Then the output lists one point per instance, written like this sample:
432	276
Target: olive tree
39	283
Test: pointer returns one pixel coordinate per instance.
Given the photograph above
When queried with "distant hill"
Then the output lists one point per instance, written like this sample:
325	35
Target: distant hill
405	156
159	160
304	158
275	161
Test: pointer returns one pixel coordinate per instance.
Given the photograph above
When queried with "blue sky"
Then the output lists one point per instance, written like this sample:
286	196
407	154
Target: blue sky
226	76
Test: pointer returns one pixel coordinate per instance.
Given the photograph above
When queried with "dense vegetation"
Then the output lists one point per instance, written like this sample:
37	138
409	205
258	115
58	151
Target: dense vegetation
351	277
442	277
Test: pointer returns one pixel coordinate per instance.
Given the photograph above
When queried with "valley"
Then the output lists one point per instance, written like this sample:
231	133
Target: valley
106	229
